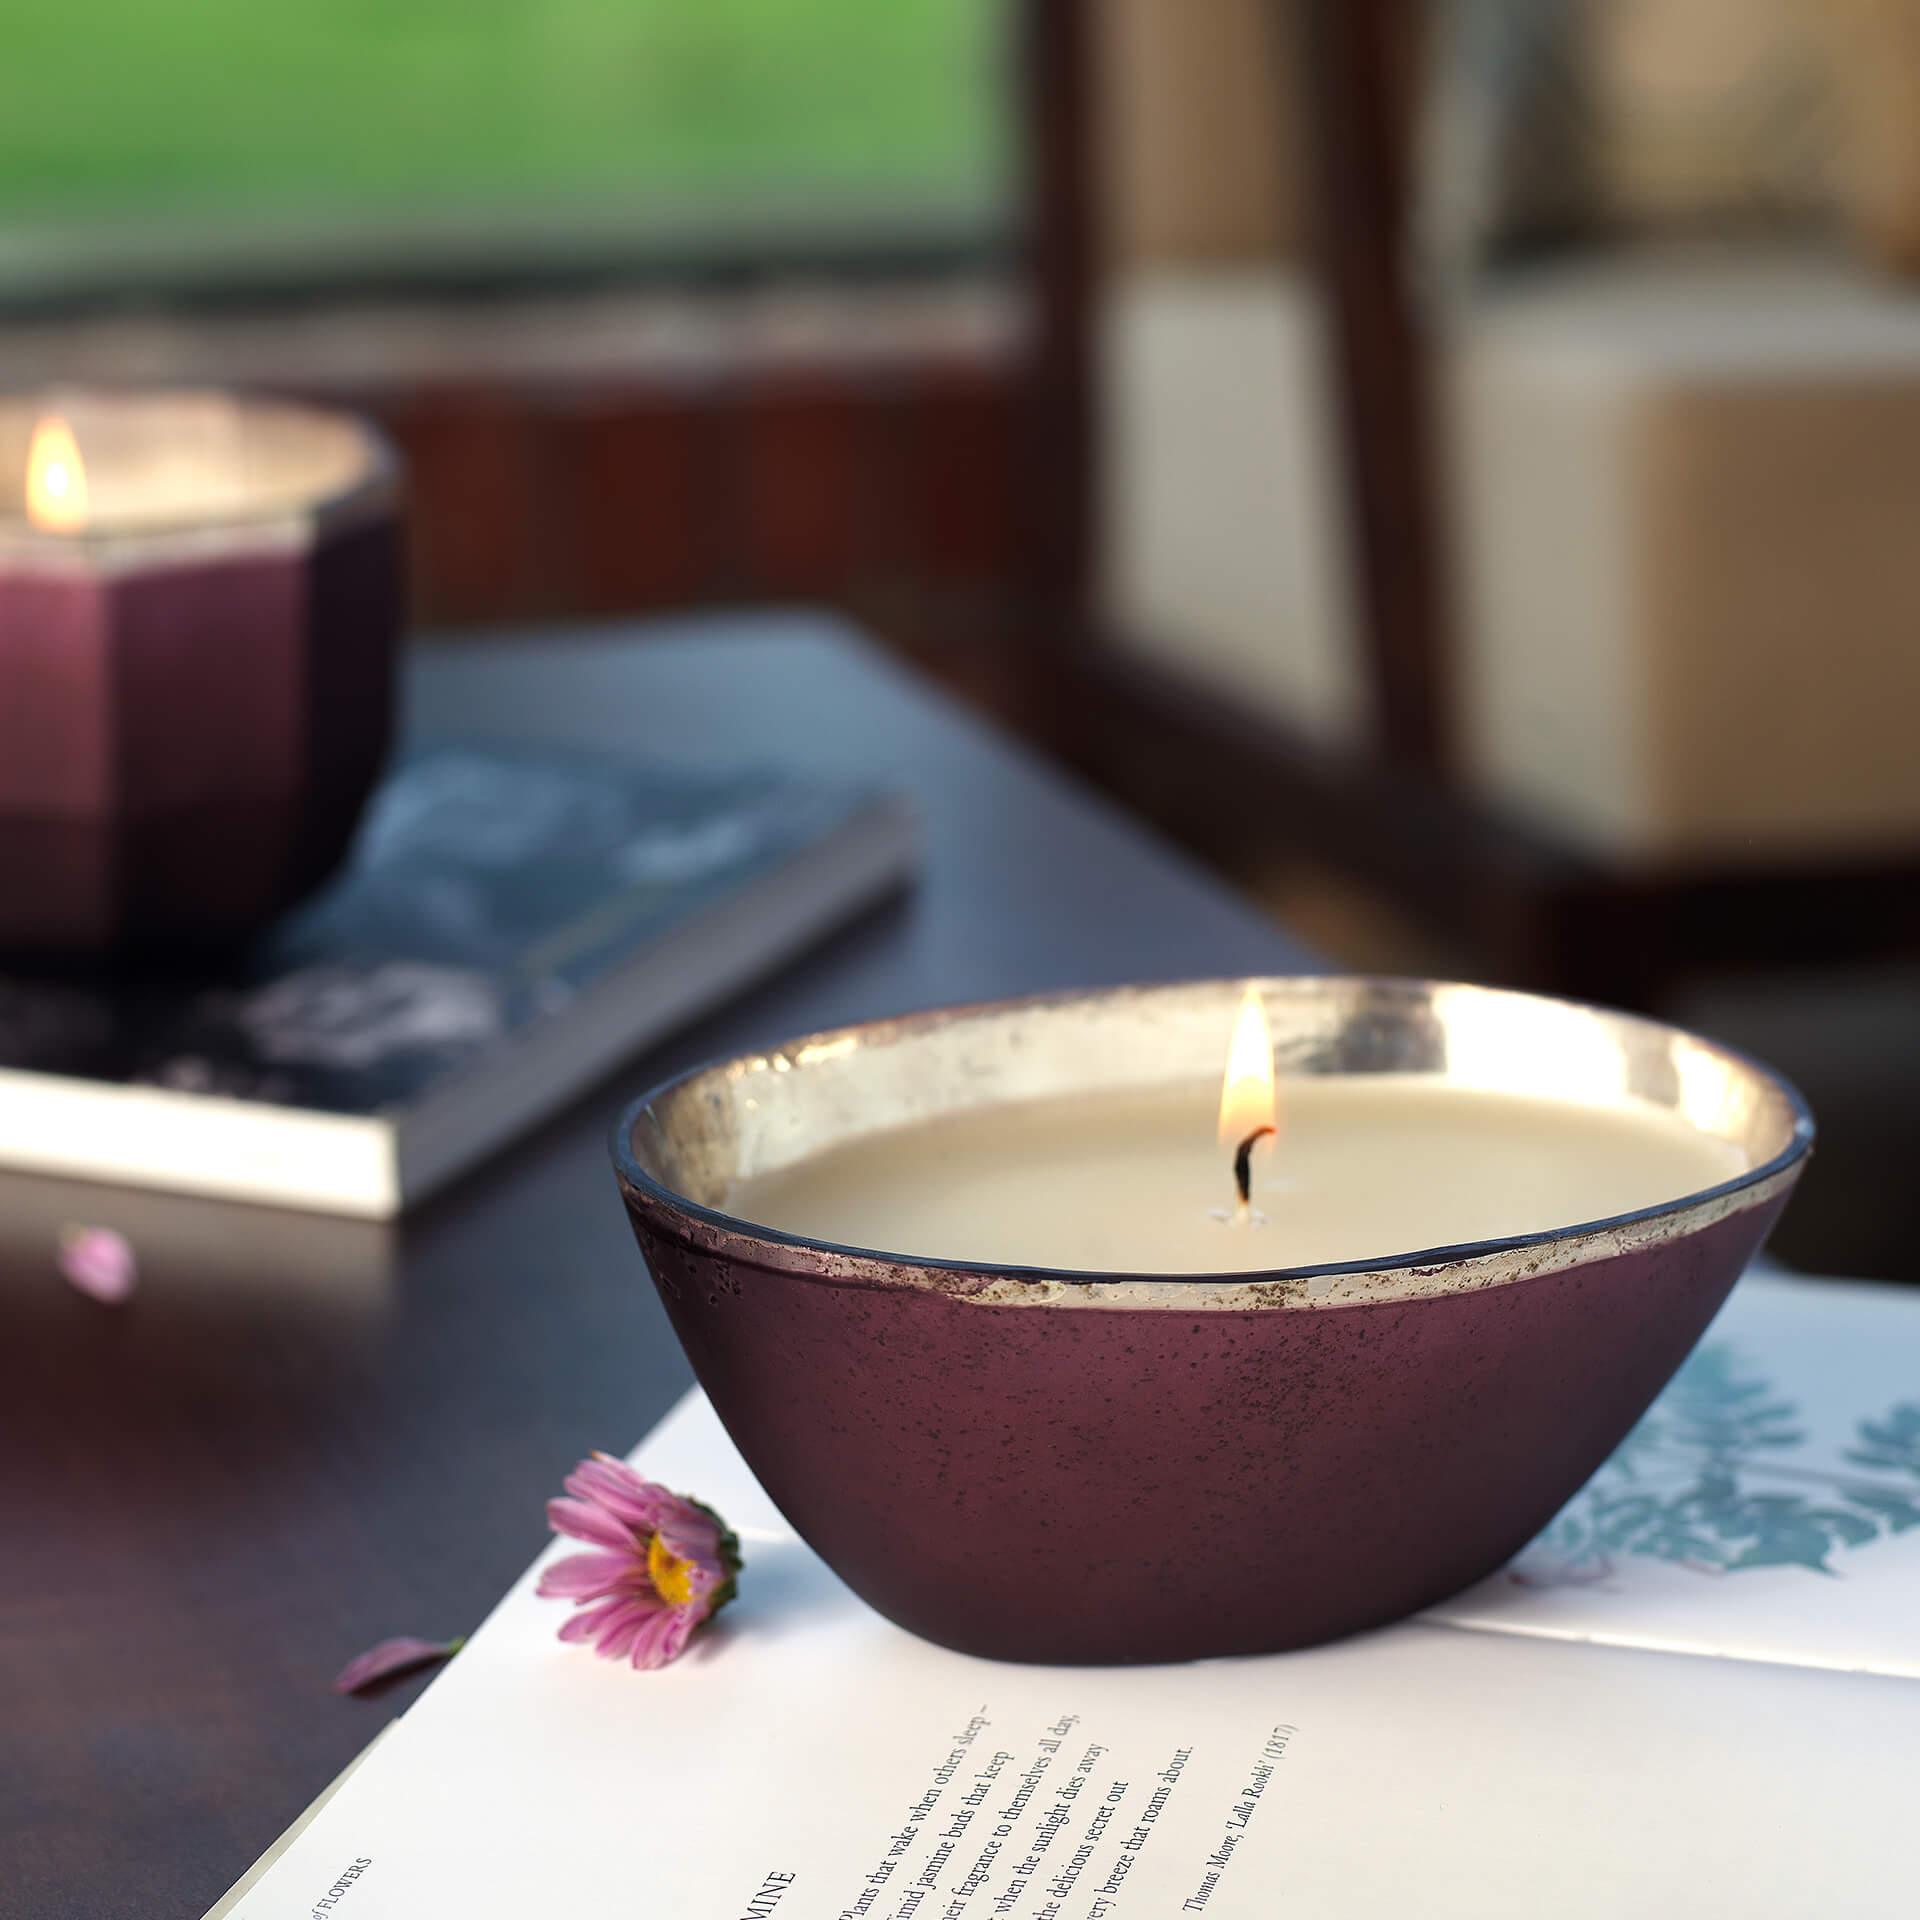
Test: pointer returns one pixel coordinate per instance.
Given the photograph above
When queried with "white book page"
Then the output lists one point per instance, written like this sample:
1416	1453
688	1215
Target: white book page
1768	1508
811	1762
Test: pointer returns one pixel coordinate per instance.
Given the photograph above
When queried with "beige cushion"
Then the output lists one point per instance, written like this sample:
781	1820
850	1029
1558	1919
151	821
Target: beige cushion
1223	548
1686	509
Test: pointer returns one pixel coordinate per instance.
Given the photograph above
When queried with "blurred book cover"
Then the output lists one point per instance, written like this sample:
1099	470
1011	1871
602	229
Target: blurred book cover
510	926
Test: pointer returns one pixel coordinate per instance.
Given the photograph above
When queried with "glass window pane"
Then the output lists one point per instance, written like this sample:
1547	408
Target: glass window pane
391	114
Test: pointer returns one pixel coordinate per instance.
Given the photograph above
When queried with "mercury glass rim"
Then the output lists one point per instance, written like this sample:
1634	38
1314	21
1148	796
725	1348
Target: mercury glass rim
374	487
1275	1286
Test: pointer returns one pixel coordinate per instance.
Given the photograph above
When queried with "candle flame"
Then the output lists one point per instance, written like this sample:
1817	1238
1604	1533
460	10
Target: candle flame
56	478
1247	1100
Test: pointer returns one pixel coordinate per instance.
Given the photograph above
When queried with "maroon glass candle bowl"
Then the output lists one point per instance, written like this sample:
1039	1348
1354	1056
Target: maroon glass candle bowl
1079	1467
196	669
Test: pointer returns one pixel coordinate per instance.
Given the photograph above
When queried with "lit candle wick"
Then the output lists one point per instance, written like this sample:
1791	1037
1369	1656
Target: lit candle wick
1243	1167
1249	1109
56	478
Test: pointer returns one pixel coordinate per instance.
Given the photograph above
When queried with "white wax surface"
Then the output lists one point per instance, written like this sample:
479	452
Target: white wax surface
162	460
1367	1167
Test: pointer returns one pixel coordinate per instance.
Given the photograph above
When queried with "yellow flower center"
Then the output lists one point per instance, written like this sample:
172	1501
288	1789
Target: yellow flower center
672	1576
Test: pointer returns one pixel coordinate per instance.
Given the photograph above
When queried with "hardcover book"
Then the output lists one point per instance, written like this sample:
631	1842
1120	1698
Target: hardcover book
510	926
1696	1693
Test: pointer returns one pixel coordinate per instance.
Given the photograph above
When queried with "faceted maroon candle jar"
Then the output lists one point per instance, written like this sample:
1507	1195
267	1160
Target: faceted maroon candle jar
1121	1466
199	604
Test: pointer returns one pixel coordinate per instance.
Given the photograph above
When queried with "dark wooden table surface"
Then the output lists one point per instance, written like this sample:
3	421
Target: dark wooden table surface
305	1434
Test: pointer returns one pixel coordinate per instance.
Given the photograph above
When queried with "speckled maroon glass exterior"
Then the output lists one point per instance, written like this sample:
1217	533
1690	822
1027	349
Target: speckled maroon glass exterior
1030	1478
186	743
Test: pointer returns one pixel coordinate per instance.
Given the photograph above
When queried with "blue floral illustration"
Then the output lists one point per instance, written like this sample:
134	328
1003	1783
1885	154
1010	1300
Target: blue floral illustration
1707	1481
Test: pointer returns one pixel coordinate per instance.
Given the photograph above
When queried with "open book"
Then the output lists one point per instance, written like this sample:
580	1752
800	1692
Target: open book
1699	1692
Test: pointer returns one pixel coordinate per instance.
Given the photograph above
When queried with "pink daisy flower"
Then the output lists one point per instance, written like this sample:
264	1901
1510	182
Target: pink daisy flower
662	1564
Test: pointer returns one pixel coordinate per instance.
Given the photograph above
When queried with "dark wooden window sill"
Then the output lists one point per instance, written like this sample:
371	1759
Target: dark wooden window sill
630	452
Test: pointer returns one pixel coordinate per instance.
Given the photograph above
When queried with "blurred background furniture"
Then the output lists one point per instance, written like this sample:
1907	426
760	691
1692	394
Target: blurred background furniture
1614	635
1504	560
290	1392
1448	463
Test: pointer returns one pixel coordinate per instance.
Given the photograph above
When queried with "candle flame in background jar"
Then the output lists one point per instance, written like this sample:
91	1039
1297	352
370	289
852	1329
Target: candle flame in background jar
56	478
1247	1100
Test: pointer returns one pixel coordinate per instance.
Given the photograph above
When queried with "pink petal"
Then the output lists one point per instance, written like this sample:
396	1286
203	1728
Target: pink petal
622	1630
390	1657
686	1522
690	1522
697	1541
590	1621
98	1262
663	1639
614	1485
587	1523
585	1576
